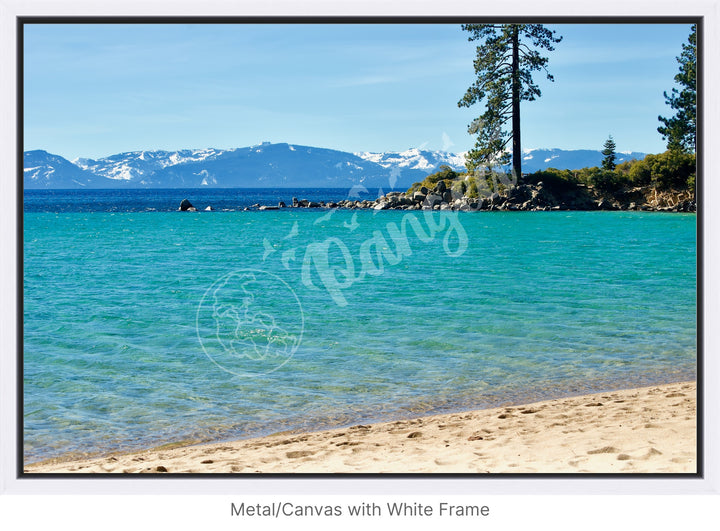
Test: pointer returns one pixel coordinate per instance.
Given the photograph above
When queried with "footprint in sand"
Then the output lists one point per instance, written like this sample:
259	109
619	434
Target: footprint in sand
604	450
652	452
451	425
298	453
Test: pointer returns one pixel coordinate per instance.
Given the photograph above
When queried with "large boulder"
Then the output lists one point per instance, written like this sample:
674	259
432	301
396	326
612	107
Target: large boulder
405	201
541	197
496	199
392	201
419	197
519	194
186	205
604	204
433	199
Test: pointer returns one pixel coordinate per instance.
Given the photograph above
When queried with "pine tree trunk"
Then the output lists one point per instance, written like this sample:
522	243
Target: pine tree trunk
516	150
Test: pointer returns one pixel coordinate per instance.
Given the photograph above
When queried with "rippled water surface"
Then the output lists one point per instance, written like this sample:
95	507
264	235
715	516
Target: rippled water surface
147	328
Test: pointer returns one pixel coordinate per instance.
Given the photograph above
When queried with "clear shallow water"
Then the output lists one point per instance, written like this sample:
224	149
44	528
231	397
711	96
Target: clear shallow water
138	333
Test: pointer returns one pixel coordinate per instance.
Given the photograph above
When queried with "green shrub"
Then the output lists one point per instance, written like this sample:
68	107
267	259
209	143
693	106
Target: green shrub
472	188
673	169
459	186
691	184
639	172
668	170
445	173
453	180
556	181
605	181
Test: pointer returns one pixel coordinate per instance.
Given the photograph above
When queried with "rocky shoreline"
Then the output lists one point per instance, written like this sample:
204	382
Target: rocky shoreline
523	197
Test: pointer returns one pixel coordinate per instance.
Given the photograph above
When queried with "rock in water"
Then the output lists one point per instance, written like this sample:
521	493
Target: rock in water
185	205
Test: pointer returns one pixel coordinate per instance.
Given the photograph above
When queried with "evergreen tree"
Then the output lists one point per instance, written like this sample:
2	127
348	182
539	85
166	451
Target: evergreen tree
680	130
608	162
504	63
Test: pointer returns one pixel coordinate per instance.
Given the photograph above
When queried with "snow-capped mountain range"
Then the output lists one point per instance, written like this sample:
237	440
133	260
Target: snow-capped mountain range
416	159
268	166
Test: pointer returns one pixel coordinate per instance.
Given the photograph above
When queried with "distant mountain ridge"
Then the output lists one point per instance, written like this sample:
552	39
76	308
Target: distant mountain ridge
561	159
269	166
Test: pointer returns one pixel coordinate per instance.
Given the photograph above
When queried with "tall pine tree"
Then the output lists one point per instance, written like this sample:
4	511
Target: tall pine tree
506	58
608	162
680	130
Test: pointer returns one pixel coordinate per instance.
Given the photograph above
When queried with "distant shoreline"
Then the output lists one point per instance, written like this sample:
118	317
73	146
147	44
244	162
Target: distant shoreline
526	197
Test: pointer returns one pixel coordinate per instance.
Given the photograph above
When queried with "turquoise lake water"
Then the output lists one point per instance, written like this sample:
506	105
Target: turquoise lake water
142	329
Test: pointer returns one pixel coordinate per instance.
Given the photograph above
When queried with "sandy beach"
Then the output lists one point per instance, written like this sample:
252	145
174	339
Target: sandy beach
646	430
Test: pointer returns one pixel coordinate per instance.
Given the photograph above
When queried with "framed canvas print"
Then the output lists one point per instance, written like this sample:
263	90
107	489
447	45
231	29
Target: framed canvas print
356	246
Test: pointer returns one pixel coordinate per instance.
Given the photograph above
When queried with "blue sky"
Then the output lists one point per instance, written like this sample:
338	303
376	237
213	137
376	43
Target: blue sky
94	90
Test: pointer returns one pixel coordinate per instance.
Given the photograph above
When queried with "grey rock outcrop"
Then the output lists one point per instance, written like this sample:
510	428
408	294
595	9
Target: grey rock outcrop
186	206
